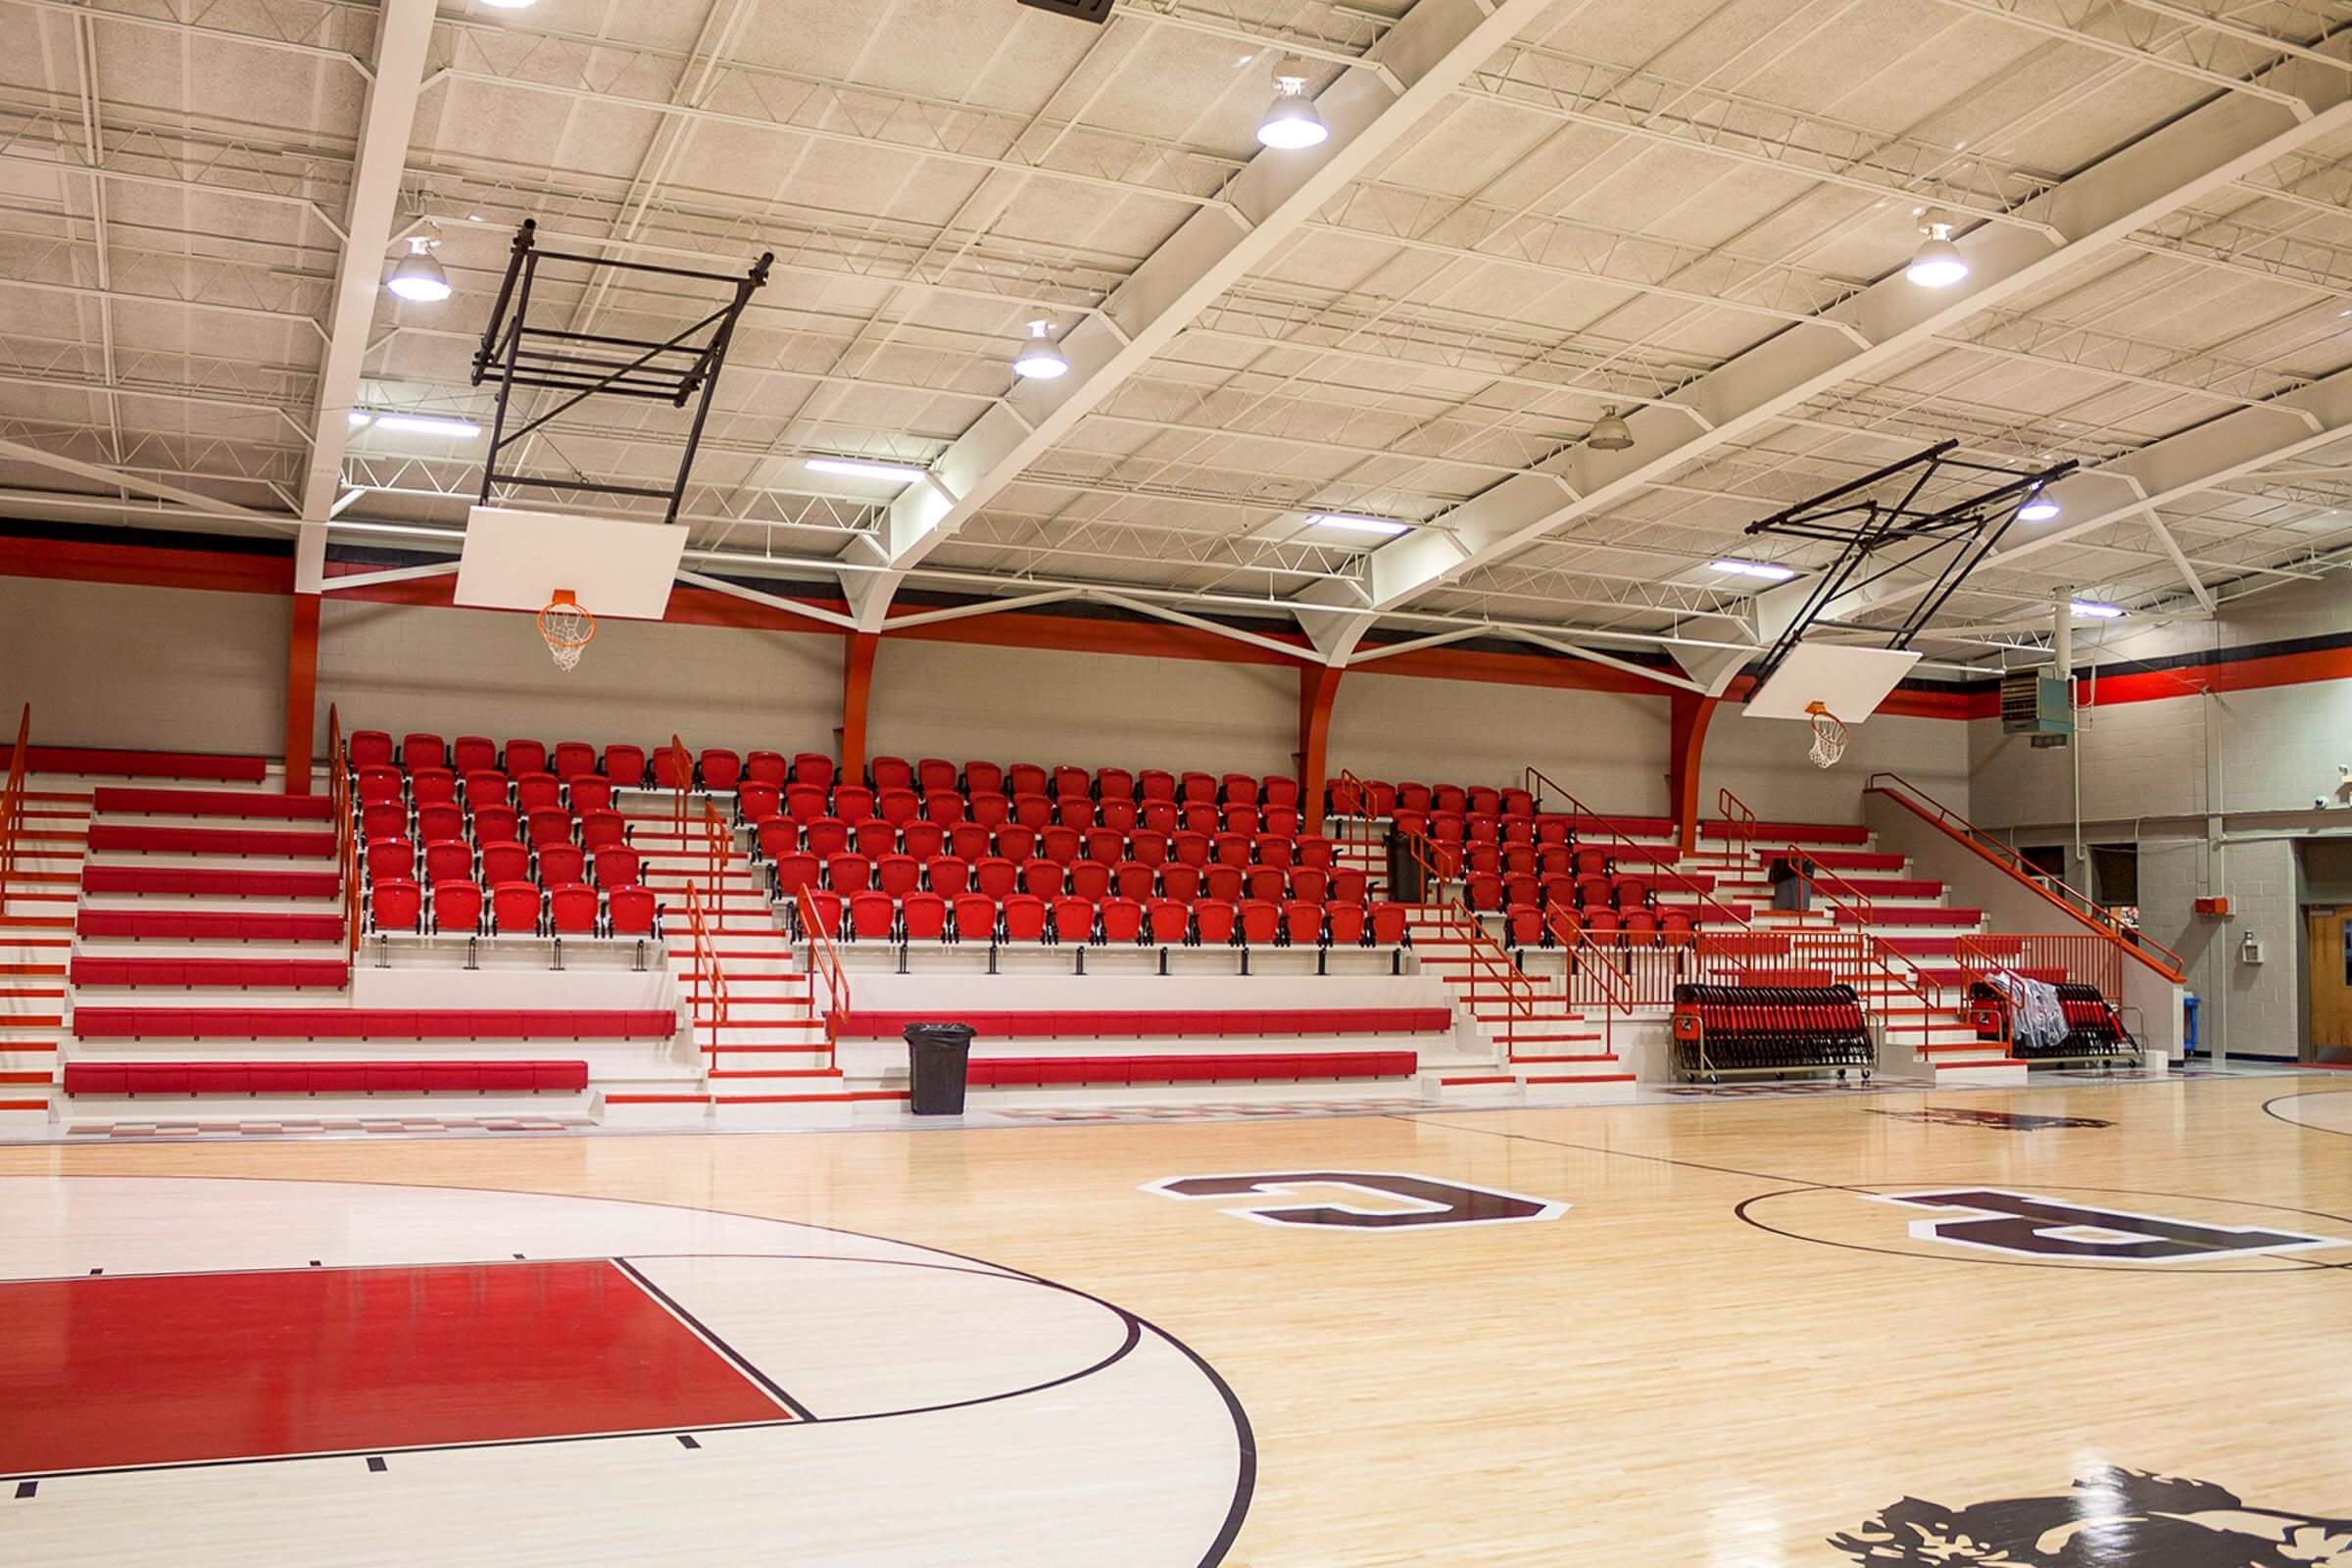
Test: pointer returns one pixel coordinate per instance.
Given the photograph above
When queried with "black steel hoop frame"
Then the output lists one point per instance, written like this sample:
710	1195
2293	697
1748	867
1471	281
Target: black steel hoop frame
675	371
1881	527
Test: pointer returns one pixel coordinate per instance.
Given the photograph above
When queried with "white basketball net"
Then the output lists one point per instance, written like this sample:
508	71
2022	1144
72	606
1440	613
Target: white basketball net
567	628
1829	737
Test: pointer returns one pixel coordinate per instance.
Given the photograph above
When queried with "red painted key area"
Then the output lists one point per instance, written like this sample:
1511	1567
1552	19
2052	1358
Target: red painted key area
176	1370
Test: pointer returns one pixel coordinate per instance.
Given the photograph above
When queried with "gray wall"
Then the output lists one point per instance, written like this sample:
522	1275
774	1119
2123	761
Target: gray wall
169	668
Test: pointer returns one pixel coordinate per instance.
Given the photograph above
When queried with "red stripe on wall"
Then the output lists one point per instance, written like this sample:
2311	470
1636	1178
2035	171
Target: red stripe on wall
147	566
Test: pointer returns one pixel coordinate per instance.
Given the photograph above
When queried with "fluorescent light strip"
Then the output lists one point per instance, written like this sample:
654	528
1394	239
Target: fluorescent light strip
1753	569
860	469
427	425
2096	611
1343	519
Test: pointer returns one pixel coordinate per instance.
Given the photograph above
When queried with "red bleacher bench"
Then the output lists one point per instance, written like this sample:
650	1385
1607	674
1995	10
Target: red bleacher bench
370	1023
121	838
139	764
212	803
1038	1025
322	1077
230	882
209	925
330	973
1023	1072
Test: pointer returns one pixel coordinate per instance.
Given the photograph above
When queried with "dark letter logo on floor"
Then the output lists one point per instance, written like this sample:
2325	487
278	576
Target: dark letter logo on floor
2116	1519
2026	1226
1412	1200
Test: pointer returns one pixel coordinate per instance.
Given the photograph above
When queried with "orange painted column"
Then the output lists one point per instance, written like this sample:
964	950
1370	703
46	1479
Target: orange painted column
857	685
302	692
1689	716
1319	689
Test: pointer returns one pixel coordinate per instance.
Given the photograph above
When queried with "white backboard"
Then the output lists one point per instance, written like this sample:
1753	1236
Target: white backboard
1850	682
516	560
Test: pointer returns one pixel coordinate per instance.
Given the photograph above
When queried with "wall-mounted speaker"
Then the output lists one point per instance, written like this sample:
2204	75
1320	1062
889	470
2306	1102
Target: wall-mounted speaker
1095	11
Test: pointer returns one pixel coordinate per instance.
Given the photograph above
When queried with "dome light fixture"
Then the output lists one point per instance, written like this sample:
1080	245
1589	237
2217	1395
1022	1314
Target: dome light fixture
1609	433
2040	509
1753	569
1039	359
418	278
1291	122
1938	263
2092	609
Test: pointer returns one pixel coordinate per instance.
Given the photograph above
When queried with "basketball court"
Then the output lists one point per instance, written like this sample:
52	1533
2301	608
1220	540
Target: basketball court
1176	783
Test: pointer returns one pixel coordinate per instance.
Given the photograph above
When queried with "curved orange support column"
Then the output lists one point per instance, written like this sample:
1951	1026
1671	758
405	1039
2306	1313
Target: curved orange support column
856	686
1319	689
1690	714
302	692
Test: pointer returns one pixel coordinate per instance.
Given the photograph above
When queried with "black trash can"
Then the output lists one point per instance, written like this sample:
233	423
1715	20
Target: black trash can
937	1054
1405	876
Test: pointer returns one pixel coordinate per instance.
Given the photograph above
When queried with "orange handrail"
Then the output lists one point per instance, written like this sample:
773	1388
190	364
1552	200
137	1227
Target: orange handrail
718	842
1490	961
711	1005
681	773
12	803
826	960
1739	822
1537	783
2079	906
1588	958
347	843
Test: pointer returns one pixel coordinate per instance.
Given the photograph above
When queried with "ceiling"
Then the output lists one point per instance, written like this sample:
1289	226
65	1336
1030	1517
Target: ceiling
1532	213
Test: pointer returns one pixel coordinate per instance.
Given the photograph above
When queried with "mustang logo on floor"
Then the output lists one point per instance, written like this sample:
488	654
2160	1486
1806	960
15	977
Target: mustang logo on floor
2015	1121
2115	1519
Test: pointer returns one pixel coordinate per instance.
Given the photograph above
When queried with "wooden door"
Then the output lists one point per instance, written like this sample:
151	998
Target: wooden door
2331	983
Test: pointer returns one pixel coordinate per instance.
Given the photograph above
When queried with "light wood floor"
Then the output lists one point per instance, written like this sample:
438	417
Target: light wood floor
1652	1378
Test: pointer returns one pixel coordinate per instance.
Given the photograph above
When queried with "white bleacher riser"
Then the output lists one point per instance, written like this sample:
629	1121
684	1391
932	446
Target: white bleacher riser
101	1109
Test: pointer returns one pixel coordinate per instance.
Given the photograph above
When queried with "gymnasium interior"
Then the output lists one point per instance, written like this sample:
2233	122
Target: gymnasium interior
783	771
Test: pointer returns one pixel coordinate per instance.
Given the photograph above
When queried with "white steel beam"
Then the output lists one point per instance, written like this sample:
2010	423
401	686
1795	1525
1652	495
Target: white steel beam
385	127
2183	161
1428	53
2165	471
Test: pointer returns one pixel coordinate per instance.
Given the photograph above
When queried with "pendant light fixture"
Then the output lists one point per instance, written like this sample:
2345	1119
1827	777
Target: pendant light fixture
1609	433
418	278
1938	263
1291	122
1039	359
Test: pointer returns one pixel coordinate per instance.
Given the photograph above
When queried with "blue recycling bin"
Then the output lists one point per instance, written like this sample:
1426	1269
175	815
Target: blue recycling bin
2189	1020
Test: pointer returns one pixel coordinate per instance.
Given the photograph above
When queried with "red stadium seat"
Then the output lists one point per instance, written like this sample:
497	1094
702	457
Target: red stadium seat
1180	882
1090	879
624	766
827	836
448	860
922	840
825	904
1134	880
589	792
1058	844
892	773
561	865
572	910
1148	847
572	759
435	823
1282	820
975	918
1238	788
1348	884
874	838
1114	784
995	877
934	773
1268	882
848	872
898	875
1387	924
923	917
1117	816
396	906
1213	922
1074	920
629	910
1167	921
432	786
1201	816
1200	787
776	837
1260	920
1024	918
1345	922
422	749
458	908
367	748
505	861
1074	812
381	784
852	802
1024	778
1273	849
719	768
1303	923
599	830
392	859
618	867
1278	791
805	803
1154	785
552	825
537	792
873	916
1241	817
1072	781
1309	882
754	800
1483	891
813	767
1122	921
896	804
969	841
384	819
983	778
524	756
1031	811
989	810
1103	844
1043	878
765	767
515	907
944	807
1221	881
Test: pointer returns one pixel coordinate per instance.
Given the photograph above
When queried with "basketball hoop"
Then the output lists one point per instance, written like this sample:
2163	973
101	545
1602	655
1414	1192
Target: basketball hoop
567	627
1829	735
